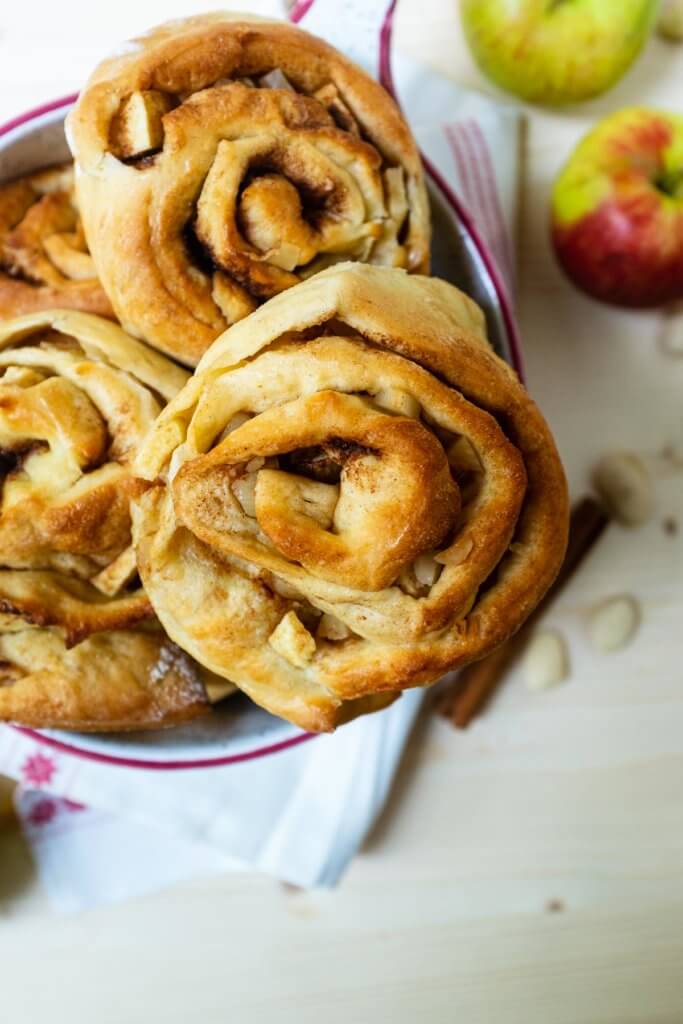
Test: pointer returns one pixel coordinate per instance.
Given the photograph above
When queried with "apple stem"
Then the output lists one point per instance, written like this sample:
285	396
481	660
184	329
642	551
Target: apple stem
670	183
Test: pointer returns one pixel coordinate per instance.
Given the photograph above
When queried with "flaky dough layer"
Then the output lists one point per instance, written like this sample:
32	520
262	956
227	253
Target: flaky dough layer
44	259
79	645
221	159
351	496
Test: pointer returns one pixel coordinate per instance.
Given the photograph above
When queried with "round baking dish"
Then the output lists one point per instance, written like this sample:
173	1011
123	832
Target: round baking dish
237	730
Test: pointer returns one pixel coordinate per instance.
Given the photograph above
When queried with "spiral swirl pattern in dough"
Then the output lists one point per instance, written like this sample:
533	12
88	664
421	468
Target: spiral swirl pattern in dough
351	496
44	259
222	160
79	646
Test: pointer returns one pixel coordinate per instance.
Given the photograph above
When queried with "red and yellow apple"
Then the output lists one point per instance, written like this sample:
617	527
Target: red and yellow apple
617	209
556	51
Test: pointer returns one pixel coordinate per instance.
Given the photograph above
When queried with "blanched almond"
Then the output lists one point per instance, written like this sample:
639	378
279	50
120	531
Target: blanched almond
613	623
546	662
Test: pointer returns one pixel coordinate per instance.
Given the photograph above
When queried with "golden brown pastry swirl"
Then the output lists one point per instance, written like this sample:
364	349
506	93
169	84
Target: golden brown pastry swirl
113	681
222	160
79	646
44	260
351	496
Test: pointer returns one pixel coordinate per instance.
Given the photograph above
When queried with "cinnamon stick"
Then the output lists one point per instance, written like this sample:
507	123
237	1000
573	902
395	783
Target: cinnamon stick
6	801
475	685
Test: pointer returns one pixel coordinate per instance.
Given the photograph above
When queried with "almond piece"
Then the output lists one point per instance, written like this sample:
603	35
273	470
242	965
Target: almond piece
546	662
614	623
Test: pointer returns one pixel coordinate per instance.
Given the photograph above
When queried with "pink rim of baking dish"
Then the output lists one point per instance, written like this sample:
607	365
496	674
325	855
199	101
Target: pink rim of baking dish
386	77
161	766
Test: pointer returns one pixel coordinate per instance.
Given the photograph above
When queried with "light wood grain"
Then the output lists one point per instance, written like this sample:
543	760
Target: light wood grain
530	870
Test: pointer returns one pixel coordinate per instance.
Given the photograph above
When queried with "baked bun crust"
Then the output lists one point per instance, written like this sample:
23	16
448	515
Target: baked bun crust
222	159
351	496
44	259
79	645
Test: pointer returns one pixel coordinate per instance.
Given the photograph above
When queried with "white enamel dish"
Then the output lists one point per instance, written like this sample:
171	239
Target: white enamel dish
237	730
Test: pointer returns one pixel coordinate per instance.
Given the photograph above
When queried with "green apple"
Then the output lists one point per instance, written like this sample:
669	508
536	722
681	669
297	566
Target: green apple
556	51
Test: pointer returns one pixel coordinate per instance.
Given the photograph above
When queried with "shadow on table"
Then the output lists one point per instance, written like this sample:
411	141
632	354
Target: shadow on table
403	780
17	871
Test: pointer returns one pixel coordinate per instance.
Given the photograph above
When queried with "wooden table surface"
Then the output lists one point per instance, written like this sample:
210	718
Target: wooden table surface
529	870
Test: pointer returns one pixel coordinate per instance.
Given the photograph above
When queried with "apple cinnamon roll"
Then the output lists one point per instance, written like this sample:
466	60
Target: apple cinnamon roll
351	496
115	681
223	159
44	259
79	646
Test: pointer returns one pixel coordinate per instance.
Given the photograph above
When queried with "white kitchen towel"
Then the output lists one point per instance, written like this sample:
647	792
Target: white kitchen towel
102	833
